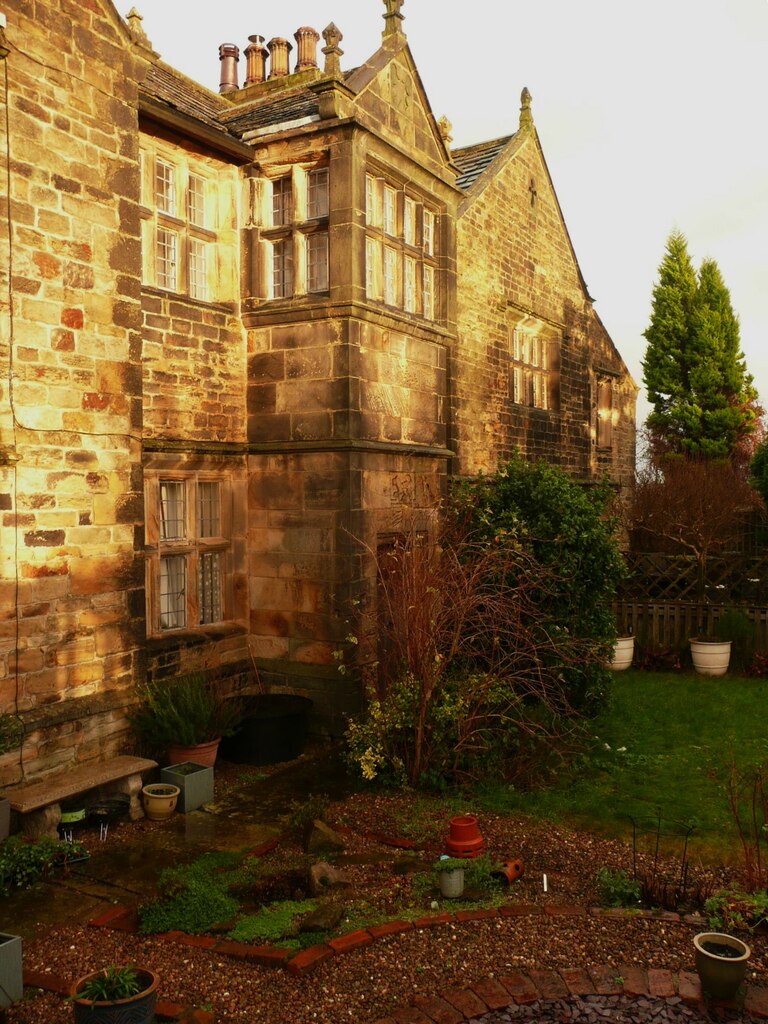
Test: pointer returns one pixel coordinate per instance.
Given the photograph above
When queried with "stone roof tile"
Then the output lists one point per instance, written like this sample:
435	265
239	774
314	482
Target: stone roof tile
473	160
260	115
169	86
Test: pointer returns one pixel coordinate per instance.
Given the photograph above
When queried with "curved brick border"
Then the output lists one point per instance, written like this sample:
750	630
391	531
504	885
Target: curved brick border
457	1004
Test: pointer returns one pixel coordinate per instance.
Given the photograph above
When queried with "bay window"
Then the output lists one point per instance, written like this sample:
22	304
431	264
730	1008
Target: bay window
400	251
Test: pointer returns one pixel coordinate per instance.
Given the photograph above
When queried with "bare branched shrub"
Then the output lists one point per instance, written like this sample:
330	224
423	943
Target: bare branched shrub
690	506
468	666
748	805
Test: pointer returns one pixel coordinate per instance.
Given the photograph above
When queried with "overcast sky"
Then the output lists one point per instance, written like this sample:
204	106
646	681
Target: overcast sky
652	116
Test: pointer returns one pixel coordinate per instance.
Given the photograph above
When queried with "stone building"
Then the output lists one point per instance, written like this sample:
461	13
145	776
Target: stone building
245	339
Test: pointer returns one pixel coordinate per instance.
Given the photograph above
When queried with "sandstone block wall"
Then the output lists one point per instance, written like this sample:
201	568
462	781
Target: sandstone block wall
515	262
70	387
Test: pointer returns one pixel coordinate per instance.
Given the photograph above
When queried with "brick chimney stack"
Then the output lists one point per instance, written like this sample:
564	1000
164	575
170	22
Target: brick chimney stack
229	55
279	49
256	55
306	40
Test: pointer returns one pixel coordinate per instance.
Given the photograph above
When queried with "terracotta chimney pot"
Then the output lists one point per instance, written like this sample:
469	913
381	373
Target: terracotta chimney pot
279	49
256	54
229	55
306	40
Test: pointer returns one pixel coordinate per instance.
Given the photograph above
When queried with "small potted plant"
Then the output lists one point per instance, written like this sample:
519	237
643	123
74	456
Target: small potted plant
450	873
160	800
186	716
115	994
195	782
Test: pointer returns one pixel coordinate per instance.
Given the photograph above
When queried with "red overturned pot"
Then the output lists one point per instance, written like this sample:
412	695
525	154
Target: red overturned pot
464	838
509	871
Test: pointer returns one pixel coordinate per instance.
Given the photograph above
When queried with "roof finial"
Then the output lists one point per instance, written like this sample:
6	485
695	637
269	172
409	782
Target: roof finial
526	117
333	53
392	18
445	128
136	29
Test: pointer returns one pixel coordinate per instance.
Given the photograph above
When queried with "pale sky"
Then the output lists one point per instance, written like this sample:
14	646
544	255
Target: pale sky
652	116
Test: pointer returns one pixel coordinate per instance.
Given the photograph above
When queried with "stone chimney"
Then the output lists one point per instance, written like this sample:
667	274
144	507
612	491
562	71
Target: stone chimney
256	55
279	49
306	40
229	55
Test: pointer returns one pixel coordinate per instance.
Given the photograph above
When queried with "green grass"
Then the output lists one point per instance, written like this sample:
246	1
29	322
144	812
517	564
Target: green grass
664	746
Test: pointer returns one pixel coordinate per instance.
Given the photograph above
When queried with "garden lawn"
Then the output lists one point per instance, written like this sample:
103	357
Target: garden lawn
666	744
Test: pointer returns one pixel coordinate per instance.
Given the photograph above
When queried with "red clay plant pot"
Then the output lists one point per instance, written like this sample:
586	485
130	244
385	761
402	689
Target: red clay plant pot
202	753
464	839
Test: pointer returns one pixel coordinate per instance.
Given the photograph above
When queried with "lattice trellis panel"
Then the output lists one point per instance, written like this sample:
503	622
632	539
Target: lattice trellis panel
733	579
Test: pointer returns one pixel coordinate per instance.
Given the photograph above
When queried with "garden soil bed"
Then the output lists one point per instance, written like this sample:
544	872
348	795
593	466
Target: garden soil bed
368	983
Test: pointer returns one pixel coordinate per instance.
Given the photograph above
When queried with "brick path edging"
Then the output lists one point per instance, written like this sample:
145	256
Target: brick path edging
458	1005
455	1005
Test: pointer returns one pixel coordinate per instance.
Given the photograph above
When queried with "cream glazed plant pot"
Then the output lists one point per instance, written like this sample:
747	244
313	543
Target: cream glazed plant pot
160	800
721	963
623	653
710	657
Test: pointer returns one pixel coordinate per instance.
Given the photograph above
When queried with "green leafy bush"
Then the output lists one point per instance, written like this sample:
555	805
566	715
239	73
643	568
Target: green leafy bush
22	863
735	910
617	889
569	530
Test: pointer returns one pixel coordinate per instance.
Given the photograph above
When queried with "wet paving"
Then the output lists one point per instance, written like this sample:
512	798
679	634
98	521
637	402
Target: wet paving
125	867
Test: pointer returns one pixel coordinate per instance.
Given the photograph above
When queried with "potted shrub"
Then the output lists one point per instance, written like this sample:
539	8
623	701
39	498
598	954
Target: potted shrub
115	994
450	872
186	716
195	781
721	963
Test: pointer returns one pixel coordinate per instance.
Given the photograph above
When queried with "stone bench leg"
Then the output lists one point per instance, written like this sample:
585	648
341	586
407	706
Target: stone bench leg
132	786
44	822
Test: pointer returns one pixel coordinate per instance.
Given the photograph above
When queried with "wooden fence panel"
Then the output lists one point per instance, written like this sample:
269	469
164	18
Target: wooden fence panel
669	625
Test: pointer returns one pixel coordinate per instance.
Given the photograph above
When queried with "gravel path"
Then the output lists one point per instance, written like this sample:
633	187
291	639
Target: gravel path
368	984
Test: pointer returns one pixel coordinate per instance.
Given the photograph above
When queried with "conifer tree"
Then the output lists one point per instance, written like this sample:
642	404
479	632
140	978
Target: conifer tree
704	402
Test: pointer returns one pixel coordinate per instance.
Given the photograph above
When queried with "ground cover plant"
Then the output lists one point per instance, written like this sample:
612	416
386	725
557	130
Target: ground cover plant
667	743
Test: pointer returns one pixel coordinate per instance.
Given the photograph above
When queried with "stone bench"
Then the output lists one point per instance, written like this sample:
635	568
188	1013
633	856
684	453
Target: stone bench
39	803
